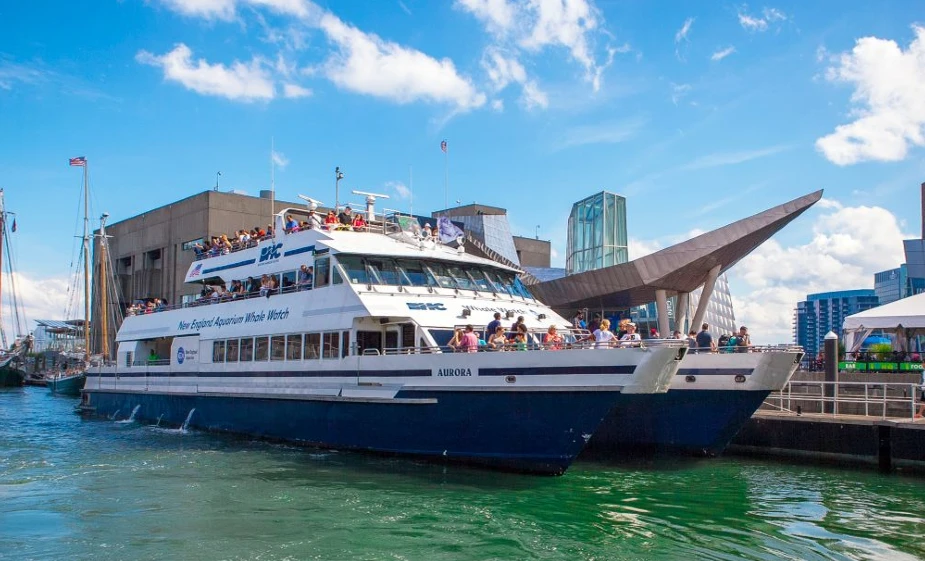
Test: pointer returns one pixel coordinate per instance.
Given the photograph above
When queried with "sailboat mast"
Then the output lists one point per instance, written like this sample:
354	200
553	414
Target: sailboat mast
2	229
104	315
87	262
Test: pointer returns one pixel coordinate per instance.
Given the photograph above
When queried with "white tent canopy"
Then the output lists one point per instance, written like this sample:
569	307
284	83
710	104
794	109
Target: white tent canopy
905	318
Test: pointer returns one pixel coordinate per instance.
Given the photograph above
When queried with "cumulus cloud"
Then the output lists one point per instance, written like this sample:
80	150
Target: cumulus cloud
41	298
637	248
848	245
888	102
240	82
295	91
760	22
503	69
722	53
208	9
534	25
367	64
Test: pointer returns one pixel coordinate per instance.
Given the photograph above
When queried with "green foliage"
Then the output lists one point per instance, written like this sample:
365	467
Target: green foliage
881	351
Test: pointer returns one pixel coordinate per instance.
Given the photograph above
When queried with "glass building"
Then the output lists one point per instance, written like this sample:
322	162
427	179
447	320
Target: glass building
824	312
596	233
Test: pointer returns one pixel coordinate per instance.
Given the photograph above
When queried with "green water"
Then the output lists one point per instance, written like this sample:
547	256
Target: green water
78	489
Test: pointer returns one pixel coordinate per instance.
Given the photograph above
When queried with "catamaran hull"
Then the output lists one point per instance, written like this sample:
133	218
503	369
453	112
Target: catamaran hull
11	377
70	385
533	432
711	397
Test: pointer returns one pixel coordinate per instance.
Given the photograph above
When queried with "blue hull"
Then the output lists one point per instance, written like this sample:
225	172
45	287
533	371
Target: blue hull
536	432
697	422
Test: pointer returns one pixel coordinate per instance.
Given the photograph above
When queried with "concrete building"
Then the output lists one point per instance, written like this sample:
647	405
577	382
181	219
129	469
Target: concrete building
533	252
826	311
151	252
488	225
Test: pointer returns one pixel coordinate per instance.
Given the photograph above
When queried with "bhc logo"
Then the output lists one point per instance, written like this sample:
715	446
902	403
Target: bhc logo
181	355
270	252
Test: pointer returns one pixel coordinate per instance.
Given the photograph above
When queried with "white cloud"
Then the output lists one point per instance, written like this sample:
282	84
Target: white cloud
760	23
295	91
208	9
369	65
679	91
888	99
41	298
505	69
722	53
637	248
735	157
279	159
400	189
681	37
533	25
12	73
848	245
497	105
240	82
610	132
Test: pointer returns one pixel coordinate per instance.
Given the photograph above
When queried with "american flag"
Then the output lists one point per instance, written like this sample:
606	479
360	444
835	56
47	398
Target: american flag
14	225
443	146
78	161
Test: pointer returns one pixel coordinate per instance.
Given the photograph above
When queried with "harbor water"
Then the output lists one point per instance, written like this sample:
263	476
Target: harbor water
72	488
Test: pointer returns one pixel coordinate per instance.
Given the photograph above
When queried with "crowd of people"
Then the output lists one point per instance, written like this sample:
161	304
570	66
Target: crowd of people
267	285
147	306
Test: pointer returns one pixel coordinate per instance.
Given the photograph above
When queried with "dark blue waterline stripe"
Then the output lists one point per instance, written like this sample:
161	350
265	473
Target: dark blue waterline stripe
552	370
305	249
714	371
279	374
229	266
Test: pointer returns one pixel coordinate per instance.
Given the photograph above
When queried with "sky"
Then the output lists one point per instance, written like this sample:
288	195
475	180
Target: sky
699	113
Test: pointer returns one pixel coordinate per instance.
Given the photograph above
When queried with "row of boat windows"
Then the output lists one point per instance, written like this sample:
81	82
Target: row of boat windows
413	272
294	346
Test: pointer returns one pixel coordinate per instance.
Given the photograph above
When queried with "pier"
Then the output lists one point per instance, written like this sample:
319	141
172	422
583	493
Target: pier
863	419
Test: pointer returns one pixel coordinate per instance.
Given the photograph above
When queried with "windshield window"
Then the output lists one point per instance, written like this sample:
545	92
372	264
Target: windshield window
355	269
478	276
415	274
462	279
498	281
444	278
385	270
521	289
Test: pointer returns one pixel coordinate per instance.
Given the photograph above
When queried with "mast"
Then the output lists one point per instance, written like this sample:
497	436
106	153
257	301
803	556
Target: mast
2	231
86	263
104	310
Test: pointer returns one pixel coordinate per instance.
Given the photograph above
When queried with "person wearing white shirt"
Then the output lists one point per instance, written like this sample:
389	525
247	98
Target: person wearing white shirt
630	337
603	337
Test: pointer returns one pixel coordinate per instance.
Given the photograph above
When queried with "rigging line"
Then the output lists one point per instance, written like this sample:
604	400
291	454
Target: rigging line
14	305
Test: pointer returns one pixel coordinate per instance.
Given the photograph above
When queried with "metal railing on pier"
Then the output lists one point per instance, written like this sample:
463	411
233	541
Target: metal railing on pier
866	399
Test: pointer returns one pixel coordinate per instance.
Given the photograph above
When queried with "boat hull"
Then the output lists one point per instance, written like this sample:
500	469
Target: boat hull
531	432
67	385
711	397
11	377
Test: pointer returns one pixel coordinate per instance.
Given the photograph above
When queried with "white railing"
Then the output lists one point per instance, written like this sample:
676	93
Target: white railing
866	399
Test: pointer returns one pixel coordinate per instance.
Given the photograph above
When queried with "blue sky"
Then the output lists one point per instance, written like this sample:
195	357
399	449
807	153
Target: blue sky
700	114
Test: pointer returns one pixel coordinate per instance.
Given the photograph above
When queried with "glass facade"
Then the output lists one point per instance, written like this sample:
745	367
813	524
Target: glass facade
489	227
824	312
596	233
890	285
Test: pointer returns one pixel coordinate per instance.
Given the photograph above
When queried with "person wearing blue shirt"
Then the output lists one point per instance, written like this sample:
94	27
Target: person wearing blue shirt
493	326
705	342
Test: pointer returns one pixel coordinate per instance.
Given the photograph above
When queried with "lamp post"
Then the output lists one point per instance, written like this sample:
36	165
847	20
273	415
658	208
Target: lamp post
338	175
217	175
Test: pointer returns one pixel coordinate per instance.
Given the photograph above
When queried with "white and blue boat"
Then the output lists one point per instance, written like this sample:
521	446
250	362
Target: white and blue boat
357	359
710	399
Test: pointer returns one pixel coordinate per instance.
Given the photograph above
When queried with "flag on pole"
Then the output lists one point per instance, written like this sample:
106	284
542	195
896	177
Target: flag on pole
447	230
443	146
14	225
79	161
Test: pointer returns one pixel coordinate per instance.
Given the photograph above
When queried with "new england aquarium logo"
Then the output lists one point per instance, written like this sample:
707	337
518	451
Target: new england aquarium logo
181	355
196	270
425	306
270	252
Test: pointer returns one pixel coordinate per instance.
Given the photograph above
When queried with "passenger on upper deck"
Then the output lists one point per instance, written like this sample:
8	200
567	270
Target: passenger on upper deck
359	223
346	218
292	225
498	339
314	222
428	231
552	340
330	221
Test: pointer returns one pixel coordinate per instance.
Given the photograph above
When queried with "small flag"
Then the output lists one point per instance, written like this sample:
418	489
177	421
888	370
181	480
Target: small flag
443	146
79	161
14	225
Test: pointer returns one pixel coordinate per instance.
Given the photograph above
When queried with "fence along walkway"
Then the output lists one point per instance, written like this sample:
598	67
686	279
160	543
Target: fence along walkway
866	399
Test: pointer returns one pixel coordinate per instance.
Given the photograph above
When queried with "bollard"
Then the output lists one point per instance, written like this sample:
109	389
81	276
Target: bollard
831	370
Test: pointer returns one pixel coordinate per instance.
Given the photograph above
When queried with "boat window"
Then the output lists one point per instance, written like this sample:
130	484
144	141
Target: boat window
277	347
384	270
521	288
415	273
478	277
369	340
288	283
262	347
331	345
218	351
496	279
345	344
443	277
231	351
294	347
336	276
441	336
247	350
312	346
355	268
322	271
462	279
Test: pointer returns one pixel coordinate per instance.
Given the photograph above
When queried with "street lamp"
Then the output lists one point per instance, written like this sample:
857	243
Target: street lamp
217	175
338	175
